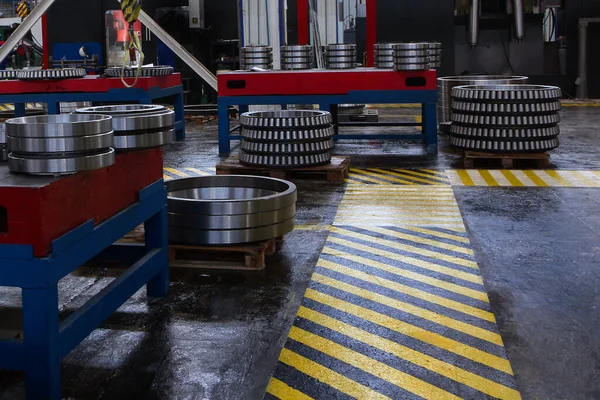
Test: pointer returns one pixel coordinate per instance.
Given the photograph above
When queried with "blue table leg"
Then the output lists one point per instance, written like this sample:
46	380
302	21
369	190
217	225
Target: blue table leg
40	330
156	237
145	100
430	127
223	116
19	109
53	108
179	115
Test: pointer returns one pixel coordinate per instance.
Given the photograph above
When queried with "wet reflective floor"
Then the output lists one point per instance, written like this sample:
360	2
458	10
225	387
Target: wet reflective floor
408	281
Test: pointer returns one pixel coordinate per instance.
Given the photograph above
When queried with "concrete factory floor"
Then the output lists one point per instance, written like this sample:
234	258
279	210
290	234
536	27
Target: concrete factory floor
397	311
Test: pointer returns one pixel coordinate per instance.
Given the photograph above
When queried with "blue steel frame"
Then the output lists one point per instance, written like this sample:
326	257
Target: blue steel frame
132	95
427	99
46	339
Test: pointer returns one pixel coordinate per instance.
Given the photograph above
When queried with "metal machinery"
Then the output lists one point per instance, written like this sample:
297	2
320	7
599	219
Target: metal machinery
230	209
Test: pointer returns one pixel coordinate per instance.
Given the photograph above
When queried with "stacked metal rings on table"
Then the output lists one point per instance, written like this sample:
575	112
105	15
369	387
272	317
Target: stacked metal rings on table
37	74
286	139
411	56
229	209
505	118
132	72
59	144
138	126
340	56
447	83
384	55
296	57
434	54
256	57
8	73
3	151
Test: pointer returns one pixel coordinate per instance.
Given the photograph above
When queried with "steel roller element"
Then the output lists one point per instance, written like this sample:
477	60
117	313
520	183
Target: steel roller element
132	72
505	146
507	93
287	149
286	119
446	84
506	121
138	126
505	108
37	74
229	209
285	161
504	133
295	135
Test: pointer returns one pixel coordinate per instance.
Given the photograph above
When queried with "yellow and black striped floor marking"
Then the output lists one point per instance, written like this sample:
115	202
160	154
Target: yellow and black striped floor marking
28	106
396	309
382	176
170	173
524	178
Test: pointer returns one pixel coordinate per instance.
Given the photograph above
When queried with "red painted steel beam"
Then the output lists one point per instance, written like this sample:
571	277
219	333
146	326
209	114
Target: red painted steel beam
303	22
45	42
371	31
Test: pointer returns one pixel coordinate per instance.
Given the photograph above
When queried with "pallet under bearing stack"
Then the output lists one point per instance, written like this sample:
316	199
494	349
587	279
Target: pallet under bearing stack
49	227
328	88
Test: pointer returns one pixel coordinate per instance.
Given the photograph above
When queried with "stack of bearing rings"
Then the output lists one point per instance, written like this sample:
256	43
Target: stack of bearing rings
445	85
138	126
384	55
434	54
505	118
286	139
59	144
296	57
411	56
340	56
229	209
3	151
256	57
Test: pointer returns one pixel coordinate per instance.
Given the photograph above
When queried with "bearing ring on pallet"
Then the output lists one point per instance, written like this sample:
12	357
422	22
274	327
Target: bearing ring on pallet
132	72
138	126
287	148
504	133
59	144
302	135
506	121
505	146
508	93
35	74
286	119
506	108
283	161
229	209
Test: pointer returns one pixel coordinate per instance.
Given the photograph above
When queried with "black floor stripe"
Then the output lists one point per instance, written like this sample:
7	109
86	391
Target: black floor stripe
412	180
391	238
345	251
306	384
389	359
356	374
434	180
353	177
448	312
432	350
429	236
401	315
269	396
449	231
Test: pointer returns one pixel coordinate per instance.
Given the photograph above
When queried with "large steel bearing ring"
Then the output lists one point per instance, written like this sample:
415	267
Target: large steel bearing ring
61	125
60	144
507	93
286	119
229	209
60	165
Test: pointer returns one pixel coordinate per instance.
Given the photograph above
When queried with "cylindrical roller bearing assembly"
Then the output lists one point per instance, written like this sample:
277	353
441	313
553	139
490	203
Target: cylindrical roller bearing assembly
505	118
229	209
340	56
286	139
296	57
138	126
256	57
445	85
37	74
132	72
59	144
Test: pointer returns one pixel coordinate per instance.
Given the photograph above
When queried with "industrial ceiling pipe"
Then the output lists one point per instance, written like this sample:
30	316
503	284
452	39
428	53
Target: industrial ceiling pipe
474	23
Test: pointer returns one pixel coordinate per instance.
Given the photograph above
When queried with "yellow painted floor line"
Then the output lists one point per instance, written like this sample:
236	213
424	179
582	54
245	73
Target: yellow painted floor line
408	290
285	392
176	172
382	177
438	177
466	179
198	172
512	179
407	175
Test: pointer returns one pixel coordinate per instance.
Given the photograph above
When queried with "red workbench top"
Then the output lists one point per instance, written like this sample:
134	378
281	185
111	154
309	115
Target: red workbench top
322	82
42	209
89	84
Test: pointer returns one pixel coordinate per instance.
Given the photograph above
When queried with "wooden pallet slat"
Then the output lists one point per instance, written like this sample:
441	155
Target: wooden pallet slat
507	160
335	172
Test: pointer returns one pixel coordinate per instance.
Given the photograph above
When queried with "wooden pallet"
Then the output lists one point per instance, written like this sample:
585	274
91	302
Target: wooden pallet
249	256
507	160
335	172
